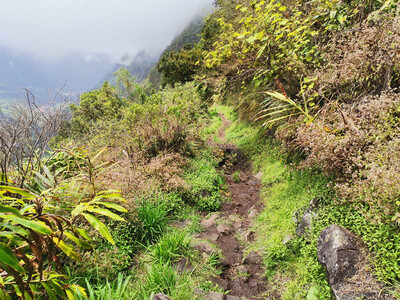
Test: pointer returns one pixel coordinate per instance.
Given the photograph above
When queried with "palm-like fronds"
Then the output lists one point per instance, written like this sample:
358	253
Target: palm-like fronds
278	107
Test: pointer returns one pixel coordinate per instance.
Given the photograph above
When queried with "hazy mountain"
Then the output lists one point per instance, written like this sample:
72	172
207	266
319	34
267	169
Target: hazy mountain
77	72
140	66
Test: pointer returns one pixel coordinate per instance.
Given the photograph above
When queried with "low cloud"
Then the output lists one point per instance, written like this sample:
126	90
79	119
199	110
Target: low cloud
51	30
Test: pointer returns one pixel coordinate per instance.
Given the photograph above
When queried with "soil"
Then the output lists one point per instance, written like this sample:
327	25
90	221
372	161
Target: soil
242	276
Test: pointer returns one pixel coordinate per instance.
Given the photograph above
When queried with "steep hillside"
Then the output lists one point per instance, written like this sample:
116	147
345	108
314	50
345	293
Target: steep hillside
264	167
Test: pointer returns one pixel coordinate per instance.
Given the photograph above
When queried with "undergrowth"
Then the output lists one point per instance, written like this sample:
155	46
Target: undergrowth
291	262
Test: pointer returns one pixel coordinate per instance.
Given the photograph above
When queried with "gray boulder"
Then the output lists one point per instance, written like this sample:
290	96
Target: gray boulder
343	256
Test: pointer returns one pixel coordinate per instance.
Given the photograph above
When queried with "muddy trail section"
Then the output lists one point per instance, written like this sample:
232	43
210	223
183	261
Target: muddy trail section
230	228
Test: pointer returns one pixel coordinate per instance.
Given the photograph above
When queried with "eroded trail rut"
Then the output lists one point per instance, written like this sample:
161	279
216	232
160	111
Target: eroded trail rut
229	229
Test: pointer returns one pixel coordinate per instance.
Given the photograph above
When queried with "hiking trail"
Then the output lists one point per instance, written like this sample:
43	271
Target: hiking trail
230	228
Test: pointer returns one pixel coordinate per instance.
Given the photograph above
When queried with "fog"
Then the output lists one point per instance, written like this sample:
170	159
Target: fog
52	30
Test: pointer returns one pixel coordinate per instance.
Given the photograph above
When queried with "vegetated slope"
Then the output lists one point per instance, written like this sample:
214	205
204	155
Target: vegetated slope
314	88
323	79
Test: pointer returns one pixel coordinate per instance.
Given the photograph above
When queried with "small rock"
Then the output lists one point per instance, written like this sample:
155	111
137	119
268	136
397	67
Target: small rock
199	292
215	296
253	182
224	229
183	266
237	225
253	284
213	237
305	224
253	258
229	297
249	236
210	221
258	176
224	263
204	248
239	284
161	297
252	214
243	177
287	239
222	283
181	224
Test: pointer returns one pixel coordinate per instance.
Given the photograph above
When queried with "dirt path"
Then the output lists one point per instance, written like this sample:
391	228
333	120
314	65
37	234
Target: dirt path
229	229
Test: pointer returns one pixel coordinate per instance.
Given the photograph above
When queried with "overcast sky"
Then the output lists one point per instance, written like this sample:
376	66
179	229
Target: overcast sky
53	29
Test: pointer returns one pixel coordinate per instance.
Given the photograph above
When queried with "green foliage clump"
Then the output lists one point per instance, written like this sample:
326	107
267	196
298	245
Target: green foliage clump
98	105
48	223
179	67
152	219
205	183
171	247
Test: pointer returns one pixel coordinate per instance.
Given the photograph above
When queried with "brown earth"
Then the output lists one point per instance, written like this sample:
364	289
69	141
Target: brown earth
229	228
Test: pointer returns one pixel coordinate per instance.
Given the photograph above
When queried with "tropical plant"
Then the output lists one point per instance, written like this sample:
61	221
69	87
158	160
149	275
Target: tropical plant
279	107
39	226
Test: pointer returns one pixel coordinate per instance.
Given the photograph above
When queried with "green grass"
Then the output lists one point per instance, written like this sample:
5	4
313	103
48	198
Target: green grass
171	247
205	183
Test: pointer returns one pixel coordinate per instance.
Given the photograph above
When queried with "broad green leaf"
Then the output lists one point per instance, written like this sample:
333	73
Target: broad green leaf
81	243
27	296
9	209
67	249
105	212
14	229
57	288
98	225
113	206
79	209
4	295
49	291
9	258
43	179
36	226
70	294
49	175
78	290
84	234
24	193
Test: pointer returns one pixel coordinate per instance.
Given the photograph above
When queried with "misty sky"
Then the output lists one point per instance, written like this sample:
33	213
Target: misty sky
54	29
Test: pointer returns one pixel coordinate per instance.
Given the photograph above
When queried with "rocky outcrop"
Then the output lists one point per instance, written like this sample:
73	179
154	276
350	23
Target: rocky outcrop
304	221
343	256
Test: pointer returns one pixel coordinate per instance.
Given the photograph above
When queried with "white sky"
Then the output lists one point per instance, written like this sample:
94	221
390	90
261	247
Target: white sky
53	29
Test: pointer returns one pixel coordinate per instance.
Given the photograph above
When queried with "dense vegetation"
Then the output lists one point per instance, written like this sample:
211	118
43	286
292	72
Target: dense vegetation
91	205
